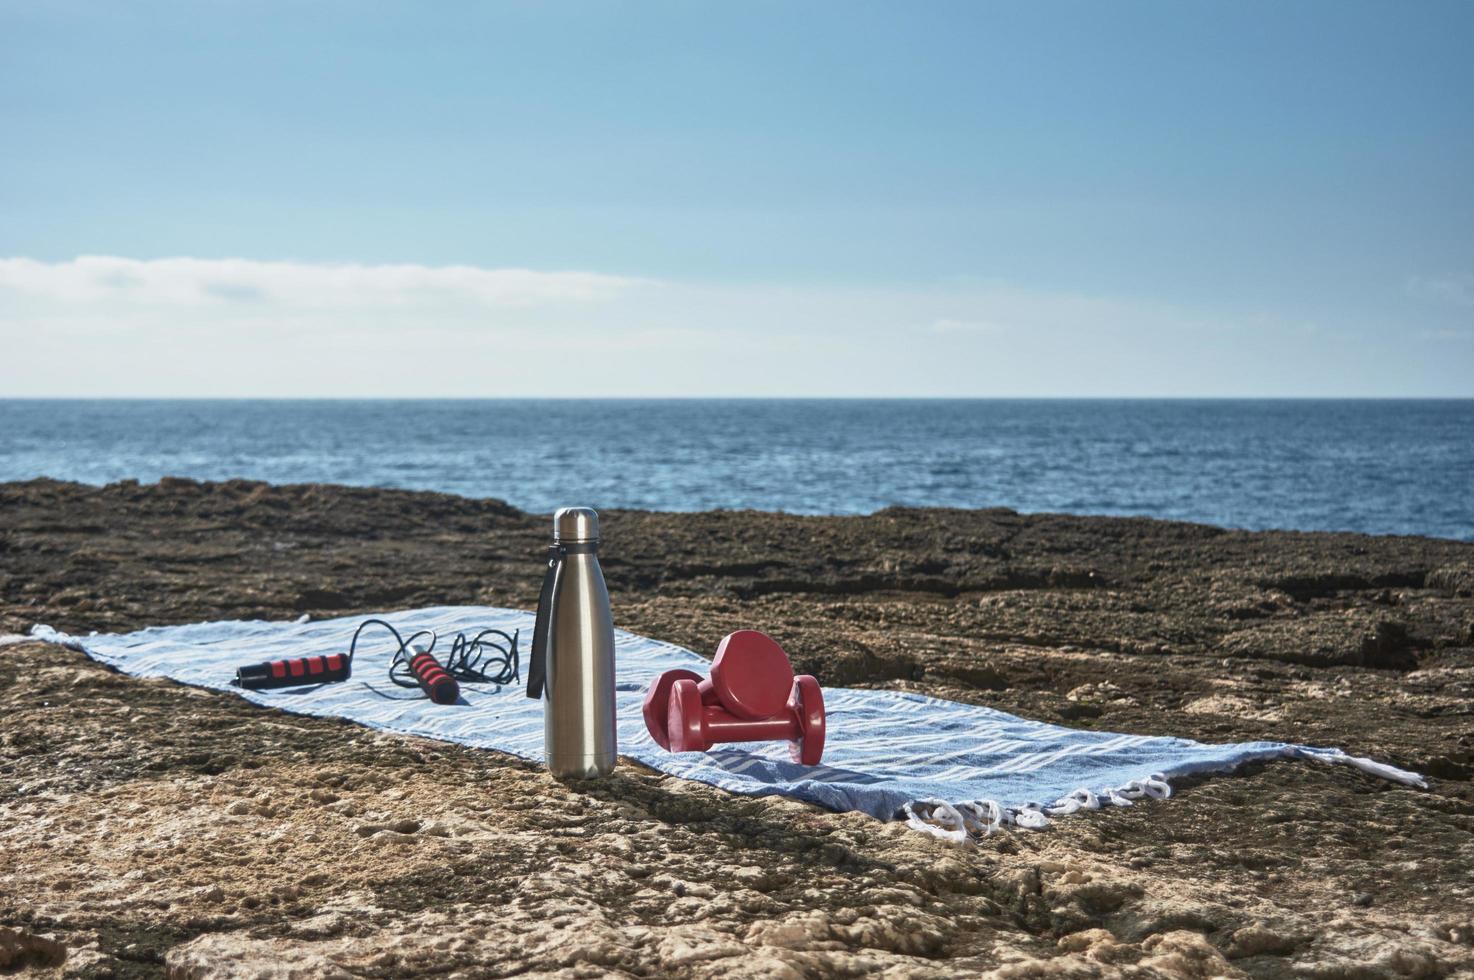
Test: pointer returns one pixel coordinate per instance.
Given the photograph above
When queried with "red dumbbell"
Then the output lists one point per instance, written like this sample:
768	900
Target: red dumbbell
751	696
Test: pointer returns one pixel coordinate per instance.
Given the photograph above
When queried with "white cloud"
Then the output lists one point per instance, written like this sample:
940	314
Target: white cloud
103	325
105	279
1451	290
949	325
1443	335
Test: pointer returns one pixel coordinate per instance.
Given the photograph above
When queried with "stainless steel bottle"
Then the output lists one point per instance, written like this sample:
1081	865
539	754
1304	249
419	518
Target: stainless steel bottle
572	662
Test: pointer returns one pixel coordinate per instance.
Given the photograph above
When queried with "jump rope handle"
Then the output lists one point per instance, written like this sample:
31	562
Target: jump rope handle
294	672
438	685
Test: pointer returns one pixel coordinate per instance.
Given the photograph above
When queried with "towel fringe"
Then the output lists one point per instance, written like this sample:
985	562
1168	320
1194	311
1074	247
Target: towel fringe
976	819
973	820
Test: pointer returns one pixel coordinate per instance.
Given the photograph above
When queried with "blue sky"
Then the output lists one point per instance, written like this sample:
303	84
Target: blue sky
742	199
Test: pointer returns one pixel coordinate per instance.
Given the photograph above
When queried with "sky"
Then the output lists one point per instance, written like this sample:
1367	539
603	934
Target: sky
1171	199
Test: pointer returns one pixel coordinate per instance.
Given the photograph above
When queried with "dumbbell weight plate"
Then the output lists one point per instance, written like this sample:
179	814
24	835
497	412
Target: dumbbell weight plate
683	724
807	701
657	703
751	675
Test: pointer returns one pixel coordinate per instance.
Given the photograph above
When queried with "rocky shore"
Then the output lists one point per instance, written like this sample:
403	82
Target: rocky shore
150	828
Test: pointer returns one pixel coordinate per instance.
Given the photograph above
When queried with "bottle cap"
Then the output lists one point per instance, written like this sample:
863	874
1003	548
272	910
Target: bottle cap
575	524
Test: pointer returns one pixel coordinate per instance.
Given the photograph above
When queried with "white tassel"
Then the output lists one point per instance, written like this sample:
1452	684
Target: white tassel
1080	799
941	820
48	635
981	818
1030	816
1063	807
1370	766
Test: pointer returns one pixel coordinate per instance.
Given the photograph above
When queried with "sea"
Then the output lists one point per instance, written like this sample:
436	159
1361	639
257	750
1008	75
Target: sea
1375	466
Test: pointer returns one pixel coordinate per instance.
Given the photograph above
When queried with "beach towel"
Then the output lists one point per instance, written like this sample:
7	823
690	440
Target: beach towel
955	770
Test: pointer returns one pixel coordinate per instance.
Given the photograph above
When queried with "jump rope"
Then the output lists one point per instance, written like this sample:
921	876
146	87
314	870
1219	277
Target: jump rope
488	657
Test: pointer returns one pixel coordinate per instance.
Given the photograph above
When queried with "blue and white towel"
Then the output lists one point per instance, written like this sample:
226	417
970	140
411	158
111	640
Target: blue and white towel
956	770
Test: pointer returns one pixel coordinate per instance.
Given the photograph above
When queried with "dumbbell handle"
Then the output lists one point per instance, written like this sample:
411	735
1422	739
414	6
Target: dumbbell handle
720	725
694	727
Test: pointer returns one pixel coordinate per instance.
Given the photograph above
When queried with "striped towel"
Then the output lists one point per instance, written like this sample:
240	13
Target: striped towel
956	770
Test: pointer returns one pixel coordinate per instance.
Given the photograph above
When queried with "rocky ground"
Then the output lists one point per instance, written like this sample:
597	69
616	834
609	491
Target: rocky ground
146	827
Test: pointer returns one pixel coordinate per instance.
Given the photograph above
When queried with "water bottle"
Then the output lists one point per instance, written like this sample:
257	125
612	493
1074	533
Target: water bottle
571	666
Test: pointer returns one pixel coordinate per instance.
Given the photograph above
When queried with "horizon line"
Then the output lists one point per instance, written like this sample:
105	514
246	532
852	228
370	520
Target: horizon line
735	398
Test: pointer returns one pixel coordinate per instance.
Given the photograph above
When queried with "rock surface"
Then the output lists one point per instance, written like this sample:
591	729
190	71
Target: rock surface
149	828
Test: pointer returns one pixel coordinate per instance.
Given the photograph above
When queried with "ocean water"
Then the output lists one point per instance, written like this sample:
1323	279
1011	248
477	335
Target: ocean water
1387	467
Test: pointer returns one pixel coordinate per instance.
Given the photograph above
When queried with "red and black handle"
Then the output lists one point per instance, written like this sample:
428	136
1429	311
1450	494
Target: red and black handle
438	685
295	672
